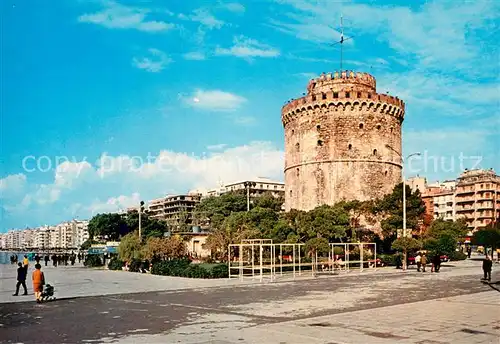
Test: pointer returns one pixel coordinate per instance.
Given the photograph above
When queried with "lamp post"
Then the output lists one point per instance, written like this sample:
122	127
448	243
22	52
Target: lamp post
404	193
141	209
248	185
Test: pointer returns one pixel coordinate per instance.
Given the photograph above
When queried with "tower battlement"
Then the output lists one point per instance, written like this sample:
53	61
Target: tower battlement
343	81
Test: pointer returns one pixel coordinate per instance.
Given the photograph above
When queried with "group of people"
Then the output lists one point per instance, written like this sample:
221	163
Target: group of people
421	261
57	259
37	277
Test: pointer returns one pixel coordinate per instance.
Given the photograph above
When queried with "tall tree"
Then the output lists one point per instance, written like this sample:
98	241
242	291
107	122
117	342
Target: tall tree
488	237
110	226
216	209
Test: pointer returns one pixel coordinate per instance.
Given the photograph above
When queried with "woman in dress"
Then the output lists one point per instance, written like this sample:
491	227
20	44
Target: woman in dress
38	282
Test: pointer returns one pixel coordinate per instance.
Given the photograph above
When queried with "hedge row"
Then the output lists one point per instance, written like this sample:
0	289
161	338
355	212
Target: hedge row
184	268
93	260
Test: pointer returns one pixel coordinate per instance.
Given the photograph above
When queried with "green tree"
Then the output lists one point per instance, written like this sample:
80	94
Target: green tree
458	229
488	237
390	207
149	227
216	209
323	222
268	201
110	226
406	244
130	247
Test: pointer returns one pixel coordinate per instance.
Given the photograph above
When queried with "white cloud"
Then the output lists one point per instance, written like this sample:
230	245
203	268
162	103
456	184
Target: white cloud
114	204
309	29
155	63
234	7
116	16
98	189
217	146
12	185
248	48
215	100
195	55
204	17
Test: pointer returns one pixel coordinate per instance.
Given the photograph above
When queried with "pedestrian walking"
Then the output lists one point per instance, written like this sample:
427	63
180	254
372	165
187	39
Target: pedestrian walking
487	265
21	279
436	263
423	262
417	261
46	259
38	282
469	251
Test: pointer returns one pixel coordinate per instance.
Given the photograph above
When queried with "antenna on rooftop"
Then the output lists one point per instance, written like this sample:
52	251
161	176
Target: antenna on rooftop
342	40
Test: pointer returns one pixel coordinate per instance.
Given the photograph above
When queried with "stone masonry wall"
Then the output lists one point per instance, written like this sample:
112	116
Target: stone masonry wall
335	144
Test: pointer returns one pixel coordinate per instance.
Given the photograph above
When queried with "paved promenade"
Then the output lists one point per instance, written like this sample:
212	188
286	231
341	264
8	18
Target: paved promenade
389	306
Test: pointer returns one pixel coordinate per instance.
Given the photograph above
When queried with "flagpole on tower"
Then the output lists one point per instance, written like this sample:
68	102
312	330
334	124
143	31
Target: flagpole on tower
341	41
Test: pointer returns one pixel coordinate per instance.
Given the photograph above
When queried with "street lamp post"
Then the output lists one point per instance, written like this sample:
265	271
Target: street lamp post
141	208
404	193
248	185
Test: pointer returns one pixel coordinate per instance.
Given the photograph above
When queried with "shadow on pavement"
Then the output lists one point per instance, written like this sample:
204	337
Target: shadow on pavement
493	285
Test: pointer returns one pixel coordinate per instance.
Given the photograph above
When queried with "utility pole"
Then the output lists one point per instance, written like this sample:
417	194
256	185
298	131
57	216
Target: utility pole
141	208
248	185
404	195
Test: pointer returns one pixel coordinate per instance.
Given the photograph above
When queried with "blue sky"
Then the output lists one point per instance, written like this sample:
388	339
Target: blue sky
105	103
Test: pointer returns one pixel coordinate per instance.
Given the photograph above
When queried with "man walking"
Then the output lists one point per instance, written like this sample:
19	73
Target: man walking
469	251
21	279
417	261
423	261
487	265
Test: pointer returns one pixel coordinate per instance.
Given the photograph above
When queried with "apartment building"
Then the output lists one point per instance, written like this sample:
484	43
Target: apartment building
176	210
478	198
80	232
257	187
41	238
417	183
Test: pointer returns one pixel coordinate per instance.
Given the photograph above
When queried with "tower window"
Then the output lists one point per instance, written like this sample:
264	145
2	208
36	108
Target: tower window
335	95
320	143
293	131
359	94
290	193
369	96
297	170
323	95
350	146
379	126
318	127
361	125
297	146
385	173
347	94
374	152
392	129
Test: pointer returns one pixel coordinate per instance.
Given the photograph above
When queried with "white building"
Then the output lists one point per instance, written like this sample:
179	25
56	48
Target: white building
444	205
259	186
80	232
42	238
417	183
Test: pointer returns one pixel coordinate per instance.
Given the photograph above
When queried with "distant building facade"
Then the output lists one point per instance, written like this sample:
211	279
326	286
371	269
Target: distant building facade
478	198
176	210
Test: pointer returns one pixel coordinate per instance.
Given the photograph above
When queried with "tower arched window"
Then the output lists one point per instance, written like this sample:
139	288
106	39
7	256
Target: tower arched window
320	143
318	127
361	125
291	193
297	146
350	146
385	173
293	131
297	170
378	126
374	152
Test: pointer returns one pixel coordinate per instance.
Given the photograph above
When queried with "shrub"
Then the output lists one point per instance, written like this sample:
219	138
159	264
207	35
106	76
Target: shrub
184	268
93	260
115	264
387	259
220	271
457	256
